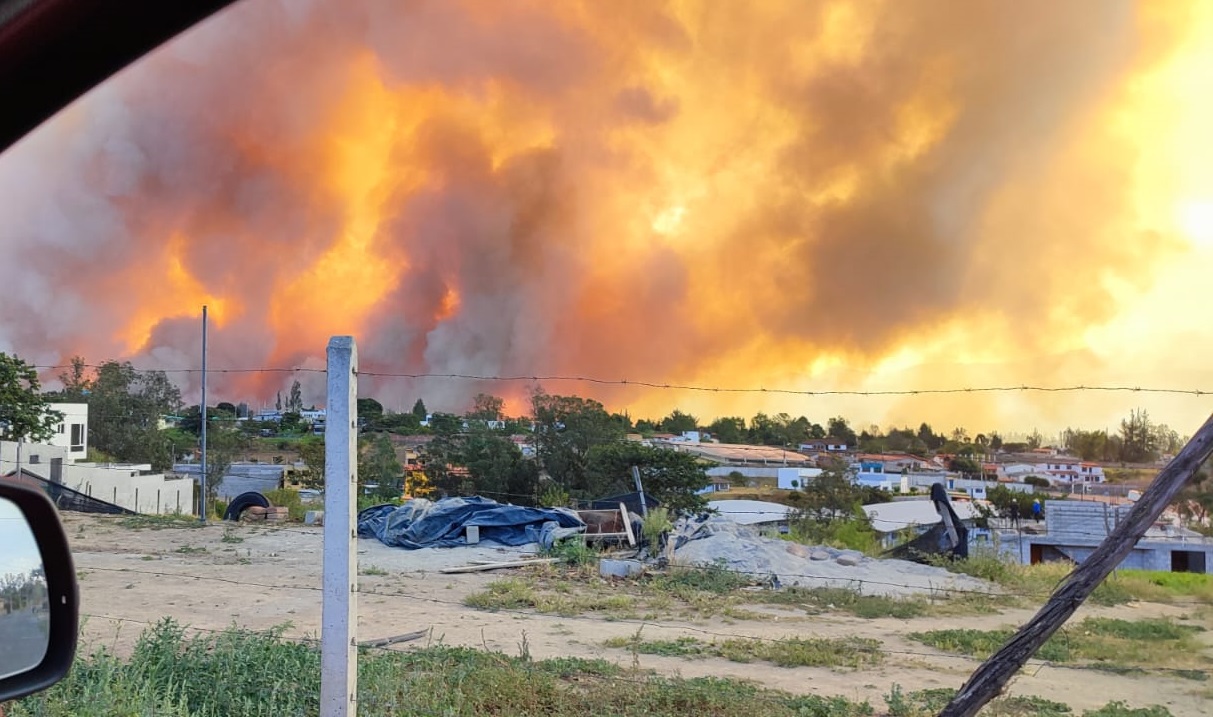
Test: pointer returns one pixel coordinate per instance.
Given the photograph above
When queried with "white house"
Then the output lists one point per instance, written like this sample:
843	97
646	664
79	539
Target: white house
824	445
60	461
1018	471
1071	470
313	415
794	478
71	432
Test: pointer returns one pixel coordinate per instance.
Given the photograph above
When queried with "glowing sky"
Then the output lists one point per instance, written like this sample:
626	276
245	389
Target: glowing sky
808	195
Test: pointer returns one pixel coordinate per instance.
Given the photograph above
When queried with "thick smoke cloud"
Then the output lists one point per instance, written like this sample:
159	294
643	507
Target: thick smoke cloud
723	192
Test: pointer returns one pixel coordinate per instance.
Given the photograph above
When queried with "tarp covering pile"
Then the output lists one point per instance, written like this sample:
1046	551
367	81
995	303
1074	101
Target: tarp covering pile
420	523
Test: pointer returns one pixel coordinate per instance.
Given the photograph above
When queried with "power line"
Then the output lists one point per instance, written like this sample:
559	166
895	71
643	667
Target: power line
1022	388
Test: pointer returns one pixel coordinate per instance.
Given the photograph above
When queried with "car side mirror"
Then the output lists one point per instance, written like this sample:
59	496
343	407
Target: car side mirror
39	601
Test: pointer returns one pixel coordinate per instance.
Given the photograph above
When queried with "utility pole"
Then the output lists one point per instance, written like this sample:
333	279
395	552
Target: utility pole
202	468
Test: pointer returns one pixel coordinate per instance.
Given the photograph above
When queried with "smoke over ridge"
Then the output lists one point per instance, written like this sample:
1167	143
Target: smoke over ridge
730	193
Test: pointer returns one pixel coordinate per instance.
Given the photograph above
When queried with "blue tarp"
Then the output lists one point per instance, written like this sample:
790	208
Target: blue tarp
421	523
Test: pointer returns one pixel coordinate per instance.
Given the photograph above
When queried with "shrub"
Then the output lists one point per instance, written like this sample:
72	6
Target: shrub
656	524
288	498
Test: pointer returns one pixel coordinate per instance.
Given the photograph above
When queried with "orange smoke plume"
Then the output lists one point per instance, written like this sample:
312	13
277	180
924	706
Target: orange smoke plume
773	193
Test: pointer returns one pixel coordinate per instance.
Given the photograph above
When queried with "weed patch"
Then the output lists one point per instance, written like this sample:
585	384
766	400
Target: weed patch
850	652
1120	646
517	594
1037	582
158	522
244	674
927	703
696	592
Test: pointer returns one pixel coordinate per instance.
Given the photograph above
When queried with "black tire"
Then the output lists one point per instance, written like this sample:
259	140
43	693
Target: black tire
243	502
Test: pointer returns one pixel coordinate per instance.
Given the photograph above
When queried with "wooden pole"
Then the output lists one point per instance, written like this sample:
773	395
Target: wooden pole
992	676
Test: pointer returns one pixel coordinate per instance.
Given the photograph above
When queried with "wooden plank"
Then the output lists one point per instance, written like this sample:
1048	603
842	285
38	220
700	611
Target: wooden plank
395	639
627	525
993	675
498	566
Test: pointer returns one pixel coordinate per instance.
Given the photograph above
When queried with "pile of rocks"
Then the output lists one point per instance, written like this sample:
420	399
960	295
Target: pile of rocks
718	541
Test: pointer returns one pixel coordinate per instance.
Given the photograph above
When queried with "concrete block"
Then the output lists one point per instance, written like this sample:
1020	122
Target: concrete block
620	568
313	517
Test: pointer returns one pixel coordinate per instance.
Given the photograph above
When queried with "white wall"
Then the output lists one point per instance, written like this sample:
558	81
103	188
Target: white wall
72	432
146	493
785	477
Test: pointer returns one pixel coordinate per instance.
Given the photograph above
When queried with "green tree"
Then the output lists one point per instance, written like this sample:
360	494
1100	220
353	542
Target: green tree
419	410
294	403
1137	436
481	462
370	409
831	496
839	428
24	412
1195	502
566	428
728	429
400	423
446	423
679	422
125	407
486	407
223	446
1002	498
311	450
378	465
1166	439
928	436
1035	440
965	464
291	422
75	382
767	431
497	467
671	477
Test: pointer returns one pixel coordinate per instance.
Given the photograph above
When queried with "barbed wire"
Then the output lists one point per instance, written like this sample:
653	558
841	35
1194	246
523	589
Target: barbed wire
559	378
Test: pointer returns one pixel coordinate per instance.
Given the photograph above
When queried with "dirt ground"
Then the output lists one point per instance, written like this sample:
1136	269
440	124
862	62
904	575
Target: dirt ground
264	576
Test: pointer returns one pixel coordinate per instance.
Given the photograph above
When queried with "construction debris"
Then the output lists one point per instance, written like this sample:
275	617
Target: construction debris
717	541
608	525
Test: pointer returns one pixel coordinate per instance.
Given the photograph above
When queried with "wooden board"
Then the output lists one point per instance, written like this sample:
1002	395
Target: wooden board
498	566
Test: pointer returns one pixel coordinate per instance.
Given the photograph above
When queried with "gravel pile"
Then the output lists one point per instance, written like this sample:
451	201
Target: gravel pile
720	541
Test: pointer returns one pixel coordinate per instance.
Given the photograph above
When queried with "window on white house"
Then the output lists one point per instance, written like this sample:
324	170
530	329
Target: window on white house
77	437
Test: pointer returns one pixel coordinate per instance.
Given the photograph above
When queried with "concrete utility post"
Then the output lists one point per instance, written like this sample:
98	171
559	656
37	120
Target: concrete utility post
339	614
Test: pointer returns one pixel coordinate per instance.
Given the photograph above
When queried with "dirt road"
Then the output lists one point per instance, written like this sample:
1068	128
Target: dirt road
260	577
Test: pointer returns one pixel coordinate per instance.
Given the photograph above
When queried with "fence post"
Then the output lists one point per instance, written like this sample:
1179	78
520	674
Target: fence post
339	613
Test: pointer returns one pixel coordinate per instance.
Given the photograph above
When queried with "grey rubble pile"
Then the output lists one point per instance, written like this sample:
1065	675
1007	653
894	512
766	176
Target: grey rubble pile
716	540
